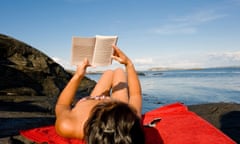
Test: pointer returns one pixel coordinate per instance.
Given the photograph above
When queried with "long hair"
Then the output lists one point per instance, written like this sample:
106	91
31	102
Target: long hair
113	123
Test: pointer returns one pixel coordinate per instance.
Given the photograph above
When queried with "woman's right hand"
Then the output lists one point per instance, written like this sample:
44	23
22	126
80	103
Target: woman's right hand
81	69
119	56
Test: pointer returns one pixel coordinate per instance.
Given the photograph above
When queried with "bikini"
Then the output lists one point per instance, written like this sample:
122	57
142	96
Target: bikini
101	97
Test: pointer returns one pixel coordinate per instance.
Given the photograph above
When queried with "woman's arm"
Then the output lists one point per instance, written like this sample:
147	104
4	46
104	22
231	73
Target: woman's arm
135	93
68	93
64	120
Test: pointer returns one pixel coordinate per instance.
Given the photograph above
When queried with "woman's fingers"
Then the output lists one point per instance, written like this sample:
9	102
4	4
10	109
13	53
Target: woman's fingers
117	59
85	63
119	55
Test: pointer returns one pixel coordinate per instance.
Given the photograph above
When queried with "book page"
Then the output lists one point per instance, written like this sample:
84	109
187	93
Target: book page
82	48
103	50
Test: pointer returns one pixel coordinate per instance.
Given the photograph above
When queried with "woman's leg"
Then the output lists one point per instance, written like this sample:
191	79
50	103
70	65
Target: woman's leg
103	85
120	86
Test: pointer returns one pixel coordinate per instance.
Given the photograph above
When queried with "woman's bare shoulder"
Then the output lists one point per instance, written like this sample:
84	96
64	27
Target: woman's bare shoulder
65	125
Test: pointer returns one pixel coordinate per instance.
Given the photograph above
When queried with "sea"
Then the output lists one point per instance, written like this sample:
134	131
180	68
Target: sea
195	86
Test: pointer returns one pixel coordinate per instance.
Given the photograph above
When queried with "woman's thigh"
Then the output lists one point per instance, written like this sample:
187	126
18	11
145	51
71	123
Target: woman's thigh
120	86
104	84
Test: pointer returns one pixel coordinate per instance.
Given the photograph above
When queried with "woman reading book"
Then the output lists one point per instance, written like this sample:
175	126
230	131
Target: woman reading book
112	112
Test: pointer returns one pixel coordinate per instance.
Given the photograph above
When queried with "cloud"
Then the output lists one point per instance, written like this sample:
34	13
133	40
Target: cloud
184	64
143	61
231	58
188	24
63	63
175	29
220	59
201	60
178	62
199	17
166	62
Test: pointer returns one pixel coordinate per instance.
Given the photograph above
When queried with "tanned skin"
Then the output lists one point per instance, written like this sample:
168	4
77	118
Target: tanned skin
125	87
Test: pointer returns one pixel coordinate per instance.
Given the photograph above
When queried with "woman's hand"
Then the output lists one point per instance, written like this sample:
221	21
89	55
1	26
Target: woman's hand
134	87
119	56
81	69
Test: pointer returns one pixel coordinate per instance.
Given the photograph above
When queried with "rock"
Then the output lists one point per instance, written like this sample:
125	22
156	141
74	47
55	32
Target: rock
25	71
30	83
224	116
159	73
141	73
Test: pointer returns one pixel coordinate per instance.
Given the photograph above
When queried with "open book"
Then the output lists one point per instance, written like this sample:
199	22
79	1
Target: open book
97	50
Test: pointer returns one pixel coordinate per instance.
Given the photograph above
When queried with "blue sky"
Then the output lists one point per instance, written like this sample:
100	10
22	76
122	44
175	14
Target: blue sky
153	33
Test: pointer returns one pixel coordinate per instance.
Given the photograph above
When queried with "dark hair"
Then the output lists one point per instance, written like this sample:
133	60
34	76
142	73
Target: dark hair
113	123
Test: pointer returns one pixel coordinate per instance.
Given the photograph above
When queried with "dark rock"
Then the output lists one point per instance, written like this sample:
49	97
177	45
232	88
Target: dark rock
30	83
141	73
159	73
224	116
25	71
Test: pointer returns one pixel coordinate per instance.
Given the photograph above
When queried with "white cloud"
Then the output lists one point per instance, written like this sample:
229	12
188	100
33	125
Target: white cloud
225	58
64	63
143	61
178	62
199	17
169	61
175	29
188	24
219	59
56	59
185	64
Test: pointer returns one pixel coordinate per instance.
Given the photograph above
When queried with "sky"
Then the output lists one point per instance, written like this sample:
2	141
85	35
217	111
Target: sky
153	33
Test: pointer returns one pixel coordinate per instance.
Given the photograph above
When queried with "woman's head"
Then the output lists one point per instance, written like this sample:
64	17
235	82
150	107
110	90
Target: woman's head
113	123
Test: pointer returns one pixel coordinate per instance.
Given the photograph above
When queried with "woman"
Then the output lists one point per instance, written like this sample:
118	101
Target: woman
112	112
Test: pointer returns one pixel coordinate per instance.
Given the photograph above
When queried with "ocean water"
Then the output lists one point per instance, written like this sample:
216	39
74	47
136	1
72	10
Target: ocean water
188	86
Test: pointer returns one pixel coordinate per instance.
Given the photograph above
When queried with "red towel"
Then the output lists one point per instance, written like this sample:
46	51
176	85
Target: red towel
177	126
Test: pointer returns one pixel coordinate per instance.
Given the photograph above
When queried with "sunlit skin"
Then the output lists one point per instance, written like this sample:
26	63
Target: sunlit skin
125	87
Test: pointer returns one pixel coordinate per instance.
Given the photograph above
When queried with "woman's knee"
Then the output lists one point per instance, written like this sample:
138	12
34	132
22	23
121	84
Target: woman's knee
119	70
119	76
108	72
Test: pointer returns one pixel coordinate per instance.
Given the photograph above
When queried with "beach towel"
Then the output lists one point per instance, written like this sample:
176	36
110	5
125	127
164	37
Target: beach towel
175	124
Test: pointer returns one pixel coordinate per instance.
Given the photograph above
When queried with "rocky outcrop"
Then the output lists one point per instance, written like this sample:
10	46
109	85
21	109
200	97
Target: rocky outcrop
30	83
27	72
